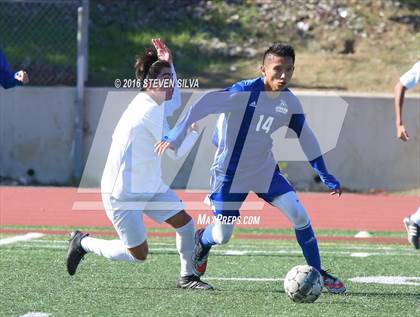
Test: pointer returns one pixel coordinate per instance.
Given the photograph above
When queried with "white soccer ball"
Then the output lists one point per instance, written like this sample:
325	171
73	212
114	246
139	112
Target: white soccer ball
303	284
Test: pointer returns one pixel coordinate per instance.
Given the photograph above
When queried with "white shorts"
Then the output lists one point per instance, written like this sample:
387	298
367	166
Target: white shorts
127	216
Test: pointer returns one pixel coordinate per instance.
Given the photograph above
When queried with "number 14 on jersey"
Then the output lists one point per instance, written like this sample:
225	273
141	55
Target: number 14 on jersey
264	124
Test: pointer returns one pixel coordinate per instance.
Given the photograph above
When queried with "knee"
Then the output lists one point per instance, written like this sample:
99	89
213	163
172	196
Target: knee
293	209
140	252
223	236
222	239
300	218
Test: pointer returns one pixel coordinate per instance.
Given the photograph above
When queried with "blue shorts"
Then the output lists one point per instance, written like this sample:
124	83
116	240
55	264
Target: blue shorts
225	203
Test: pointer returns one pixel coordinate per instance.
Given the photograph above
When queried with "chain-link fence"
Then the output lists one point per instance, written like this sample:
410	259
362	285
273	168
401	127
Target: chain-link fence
40	36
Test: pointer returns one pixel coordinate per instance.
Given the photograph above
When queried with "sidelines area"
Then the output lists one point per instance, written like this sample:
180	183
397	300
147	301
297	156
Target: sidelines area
49	206
257	236
31	240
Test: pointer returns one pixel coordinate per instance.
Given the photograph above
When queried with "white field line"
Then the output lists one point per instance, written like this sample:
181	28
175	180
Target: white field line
59	245
35	314
390	280
245	279
360	254
25	237
250	247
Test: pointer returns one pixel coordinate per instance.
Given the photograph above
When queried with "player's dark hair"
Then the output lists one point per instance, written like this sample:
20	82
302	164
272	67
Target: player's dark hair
280	49
148	66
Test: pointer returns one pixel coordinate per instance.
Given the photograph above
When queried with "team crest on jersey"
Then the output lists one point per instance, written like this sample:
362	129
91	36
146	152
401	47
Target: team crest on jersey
282	108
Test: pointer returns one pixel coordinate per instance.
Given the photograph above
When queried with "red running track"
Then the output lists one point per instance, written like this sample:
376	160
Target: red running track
52	206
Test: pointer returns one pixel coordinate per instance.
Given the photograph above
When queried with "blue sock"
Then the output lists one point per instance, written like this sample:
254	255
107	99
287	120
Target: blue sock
307	241
207	237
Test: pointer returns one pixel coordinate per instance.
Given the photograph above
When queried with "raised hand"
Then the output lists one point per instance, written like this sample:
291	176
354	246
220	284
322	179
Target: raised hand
163	52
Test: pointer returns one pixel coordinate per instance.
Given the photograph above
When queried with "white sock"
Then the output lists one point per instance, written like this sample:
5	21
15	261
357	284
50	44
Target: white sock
416	217
185	247
111	249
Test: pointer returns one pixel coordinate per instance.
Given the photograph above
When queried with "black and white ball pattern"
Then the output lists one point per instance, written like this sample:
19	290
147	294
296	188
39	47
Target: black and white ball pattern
303	284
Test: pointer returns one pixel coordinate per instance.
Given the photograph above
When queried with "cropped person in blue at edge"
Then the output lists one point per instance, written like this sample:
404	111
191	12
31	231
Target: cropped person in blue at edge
8	79
244	156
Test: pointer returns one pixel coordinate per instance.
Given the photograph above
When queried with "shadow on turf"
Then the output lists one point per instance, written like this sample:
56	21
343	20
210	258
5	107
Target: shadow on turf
217	290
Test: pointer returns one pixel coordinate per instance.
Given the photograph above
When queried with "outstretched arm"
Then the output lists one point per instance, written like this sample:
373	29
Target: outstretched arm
187	144
165	54
311	147
399	92
7	78
211	103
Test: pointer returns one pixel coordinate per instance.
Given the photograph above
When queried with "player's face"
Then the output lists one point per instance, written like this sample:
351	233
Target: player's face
165	84
277	72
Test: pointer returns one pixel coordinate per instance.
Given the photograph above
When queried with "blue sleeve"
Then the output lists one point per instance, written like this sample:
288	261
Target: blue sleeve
329	180
211	103
297	122
235	87
7	77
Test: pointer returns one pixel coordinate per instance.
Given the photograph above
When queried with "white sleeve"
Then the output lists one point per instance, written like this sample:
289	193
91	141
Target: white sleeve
412	77
175	102
185	147
154	123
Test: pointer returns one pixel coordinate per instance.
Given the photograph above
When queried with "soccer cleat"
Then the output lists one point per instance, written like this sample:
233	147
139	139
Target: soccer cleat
75	252
413	232
193	282
200	256
332	284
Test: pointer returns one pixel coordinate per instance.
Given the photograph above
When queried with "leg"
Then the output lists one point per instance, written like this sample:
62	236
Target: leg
184	227
305	236
224	205
289	204
416	217
115	249
282	195
217	233
166	207
412	225
132	246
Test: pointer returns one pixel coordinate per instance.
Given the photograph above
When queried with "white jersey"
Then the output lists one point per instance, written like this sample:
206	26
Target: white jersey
412	77
133	168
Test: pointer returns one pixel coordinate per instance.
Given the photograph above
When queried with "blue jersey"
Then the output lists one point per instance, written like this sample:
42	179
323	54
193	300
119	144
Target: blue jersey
244	132
7	77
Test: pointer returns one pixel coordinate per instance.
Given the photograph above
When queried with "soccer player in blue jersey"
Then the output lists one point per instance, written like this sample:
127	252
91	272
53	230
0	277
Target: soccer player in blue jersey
244	158
8	79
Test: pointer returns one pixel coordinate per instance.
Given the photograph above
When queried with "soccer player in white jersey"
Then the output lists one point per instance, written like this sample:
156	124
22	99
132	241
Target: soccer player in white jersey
131	183
407	81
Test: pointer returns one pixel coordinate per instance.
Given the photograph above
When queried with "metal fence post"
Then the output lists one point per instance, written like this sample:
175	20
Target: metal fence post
82	50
